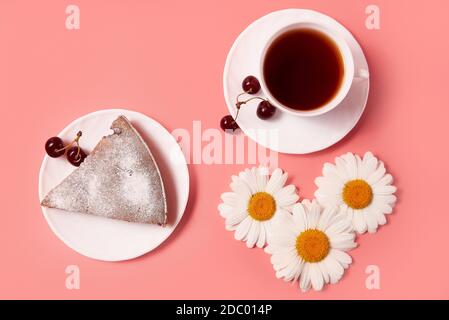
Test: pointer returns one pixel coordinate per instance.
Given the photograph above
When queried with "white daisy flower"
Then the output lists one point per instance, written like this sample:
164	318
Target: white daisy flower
310	246
255	202
360	188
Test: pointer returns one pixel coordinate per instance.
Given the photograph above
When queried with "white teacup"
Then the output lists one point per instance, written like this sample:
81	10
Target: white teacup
348	67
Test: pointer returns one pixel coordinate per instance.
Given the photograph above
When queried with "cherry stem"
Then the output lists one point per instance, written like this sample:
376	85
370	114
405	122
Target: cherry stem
76	140
238	104
241	94
78	151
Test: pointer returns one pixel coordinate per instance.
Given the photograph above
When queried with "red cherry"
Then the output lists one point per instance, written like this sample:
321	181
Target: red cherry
54	147
75	157
251	85
228	123
265	110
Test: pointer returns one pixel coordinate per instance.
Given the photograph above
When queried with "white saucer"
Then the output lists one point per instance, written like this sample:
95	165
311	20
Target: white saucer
107	239
289	133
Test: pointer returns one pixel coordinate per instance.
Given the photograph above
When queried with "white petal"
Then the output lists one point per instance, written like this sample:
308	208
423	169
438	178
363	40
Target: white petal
253	234
368	155
314	215
304	281
276	182
282	239
381	206
381	219
342	237
299	217
243	228
270	249
359	222
386	180
236	217
316	277
261	175
382	189
241	188
307	204
282	222
286	197
331	172
351	165
319	181
331	188
289	272
329	184
323	271
371	220
388	199
359	167
256	178
249	179
224	209
327	217
344	243
342	257
231	227
374	178
341	167
283	258
299	269
270	230
369	165
262	236
346	212
334	268
229	198
328	200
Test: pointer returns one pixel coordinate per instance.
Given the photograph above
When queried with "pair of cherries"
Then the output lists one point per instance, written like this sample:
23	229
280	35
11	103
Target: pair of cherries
265	110
55	148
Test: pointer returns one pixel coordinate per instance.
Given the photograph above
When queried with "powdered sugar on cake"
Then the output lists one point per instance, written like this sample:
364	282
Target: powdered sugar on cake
119	180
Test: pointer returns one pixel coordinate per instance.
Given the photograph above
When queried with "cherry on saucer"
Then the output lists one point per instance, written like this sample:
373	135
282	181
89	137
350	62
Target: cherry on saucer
265	110
74	154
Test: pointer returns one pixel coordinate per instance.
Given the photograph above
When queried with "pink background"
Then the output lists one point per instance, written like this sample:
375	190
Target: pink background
165	59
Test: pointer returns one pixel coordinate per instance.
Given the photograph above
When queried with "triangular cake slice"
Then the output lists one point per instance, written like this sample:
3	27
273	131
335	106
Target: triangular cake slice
119	179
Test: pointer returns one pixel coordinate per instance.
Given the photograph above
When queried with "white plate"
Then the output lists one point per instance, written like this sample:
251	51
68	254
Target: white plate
108	239
289	133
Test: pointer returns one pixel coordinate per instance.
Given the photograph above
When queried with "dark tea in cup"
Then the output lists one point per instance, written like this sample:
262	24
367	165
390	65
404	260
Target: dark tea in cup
303	69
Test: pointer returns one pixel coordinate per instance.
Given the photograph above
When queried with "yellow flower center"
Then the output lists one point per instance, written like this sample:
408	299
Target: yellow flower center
357	194
261	206
312	245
